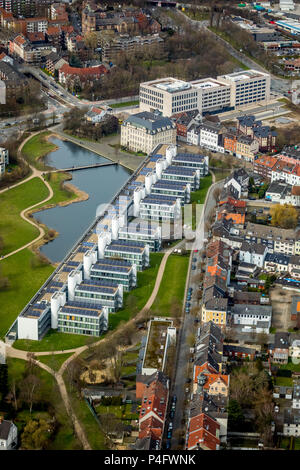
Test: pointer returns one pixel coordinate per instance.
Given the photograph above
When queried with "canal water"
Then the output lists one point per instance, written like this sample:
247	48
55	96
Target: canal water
100	183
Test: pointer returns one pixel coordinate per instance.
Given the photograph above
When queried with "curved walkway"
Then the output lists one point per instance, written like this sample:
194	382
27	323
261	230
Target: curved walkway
35	174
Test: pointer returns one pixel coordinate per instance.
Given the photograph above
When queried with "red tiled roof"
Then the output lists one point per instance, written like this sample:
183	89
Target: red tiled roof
88	71
20	40
266	161
36	37
53	30
203	430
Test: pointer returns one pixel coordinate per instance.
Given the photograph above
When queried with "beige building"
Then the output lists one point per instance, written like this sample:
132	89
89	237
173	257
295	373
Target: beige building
172	96
246	148
142	132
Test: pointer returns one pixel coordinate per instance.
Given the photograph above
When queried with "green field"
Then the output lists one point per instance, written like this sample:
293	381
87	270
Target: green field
53	341
199	195
36	148
64	438
124	105
172	285
15	231
284	381
54	361
26	276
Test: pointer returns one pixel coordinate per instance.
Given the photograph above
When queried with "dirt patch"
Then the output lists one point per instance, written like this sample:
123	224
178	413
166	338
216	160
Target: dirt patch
281	300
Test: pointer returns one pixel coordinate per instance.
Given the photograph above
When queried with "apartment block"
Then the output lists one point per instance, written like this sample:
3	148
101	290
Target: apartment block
144	231
116	270
160	207
135	252
169	188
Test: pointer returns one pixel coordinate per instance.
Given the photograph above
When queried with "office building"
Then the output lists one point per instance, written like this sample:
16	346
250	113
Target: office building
173	96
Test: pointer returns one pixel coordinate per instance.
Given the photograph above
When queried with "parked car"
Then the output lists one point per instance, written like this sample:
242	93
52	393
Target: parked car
168	444
169	435
170	426
172	413
193	267
174	399
194	259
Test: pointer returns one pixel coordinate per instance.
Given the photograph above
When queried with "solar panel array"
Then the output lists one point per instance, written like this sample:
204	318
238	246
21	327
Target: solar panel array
192	157
128	243
123	249
100	289
109	268
179	170
159	199
80	311
166	184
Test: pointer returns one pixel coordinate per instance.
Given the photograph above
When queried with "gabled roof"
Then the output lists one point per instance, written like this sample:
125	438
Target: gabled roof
5	429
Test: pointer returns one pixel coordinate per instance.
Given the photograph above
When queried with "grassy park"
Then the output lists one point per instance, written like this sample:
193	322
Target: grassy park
124	104
15	231
199	196
172	286
36	148
54	361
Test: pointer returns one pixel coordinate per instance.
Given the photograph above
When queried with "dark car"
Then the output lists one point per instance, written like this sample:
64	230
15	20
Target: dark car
194	259
188	380
172	414
168	445
174	399
169	435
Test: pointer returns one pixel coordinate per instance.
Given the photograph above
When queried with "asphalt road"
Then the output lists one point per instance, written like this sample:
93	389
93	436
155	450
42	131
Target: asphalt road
188	326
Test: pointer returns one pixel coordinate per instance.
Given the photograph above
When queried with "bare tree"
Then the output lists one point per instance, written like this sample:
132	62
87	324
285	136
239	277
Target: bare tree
30	390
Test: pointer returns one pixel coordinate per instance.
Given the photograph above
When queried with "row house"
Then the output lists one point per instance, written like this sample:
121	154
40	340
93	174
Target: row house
263	135
253	253
283	193
278	240
239	181
54	62
184	123
154	393
288	172
264	165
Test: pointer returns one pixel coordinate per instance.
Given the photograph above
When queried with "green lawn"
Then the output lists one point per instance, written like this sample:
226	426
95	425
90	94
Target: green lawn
123	105
26	275
199	195
15	231
121	411
146	280
92	430
36	148
290	366
64	438
61	194
172	285
284	381
54	361
54	341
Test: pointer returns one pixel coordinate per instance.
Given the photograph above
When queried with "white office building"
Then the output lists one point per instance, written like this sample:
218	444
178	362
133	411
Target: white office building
173	96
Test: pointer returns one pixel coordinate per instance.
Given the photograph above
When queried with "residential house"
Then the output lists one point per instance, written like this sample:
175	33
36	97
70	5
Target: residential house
295	309
4	160
253	253
72	75
211	136
97	114
153	411
203	433
276	263
264	165
246	148
279	351
8	435
252	317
